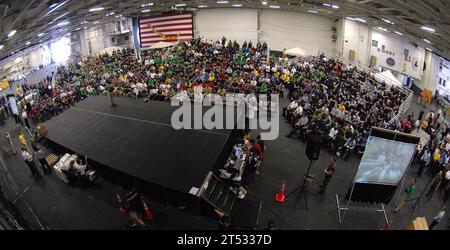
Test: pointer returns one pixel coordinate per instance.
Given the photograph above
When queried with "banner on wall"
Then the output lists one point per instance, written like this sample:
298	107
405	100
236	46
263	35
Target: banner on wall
165	28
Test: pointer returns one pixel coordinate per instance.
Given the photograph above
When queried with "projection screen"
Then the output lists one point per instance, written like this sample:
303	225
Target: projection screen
384	161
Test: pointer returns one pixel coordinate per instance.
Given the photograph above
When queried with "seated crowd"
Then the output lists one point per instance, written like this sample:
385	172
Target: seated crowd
159	74
338	103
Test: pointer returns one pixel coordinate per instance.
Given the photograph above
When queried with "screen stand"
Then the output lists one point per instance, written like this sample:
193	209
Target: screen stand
343	208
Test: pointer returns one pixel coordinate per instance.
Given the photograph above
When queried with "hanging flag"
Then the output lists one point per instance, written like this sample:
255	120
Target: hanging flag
165	28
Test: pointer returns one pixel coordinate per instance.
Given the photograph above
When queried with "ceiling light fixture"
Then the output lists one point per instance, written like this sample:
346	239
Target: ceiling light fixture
146	10
1	46
427	41
28	43
41	34
96	9
387	21
350	18
312	11
237	5
326	4
398	33
274	6
180	5
96	22
335	6
222	1
203	6
62	23
111	13
429	49
360	20
11	33
264	2
53	5
428	29
383	29
146	5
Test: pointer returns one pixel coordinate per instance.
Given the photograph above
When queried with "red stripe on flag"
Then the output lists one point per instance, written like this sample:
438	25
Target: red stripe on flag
170	35
167	20
166	25
166	30
166	15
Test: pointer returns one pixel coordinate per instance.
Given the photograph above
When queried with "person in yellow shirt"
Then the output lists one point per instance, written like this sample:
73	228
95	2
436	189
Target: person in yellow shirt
23	140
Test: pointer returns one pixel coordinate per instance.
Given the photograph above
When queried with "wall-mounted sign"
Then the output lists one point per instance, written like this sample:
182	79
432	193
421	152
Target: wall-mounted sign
375	43
390	61
406	54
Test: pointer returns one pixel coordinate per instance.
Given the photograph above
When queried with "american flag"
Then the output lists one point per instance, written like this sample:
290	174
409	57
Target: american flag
165	28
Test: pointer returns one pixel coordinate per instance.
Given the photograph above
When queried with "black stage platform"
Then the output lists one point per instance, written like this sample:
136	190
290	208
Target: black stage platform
137	139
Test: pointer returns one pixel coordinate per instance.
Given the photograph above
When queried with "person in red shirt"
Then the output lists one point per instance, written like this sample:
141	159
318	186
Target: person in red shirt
256	148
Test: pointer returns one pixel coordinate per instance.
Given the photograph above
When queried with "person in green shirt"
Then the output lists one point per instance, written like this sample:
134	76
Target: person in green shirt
263	88
407	194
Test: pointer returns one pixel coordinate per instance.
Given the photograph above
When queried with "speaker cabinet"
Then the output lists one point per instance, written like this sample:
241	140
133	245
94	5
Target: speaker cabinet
313	147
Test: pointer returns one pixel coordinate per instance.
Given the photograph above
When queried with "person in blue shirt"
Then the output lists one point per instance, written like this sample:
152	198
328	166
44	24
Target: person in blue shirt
348	147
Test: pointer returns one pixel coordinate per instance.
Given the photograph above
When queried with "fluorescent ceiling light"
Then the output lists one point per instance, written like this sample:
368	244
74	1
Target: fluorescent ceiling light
84	22
427	41
428	29
360	20
312	11
41	34
237	5
387	21
1	46
111	13
96	9
11	33
350	18
53	5
62	23
85	27
28	43
96	22
146	10
383	29
146	5
398	33
335	6
180	5
264	2
429	49
274	6
203	6
223	1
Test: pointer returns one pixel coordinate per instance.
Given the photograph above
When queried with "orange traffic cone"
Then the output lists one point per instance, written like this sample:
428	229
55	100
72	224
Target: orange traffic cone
122	206
280	195
148	213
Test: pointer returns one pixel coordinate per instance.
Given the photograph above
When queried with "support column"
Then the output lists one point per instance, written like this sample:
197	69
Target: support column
84	45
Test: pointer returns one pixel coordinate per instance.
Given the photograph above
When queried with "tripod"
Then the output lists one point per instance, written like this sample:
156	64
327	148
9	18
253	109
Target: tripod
417	199
301	190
